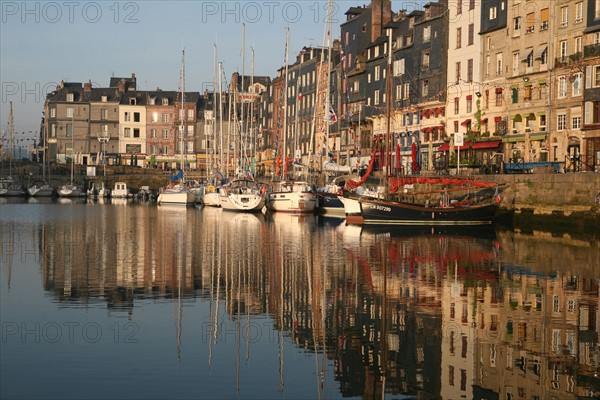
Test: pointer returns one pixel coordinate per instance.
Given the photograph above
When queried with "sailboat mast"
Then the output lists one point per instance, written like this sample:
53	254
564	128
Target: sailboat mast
388	100
285	102
328	106
11	127
243	89
210	164
221	161
252	127
181	127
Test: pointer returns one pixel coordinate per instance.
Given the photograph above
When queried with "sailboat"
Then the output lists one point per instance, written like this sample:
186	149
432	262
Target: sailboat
243	193
70	189
477	207
41	188
179	194
289	195
8	187
211	190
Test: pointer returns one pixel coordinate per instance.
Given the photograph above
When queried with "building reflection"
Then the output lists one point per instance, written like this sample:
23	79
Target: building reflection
433	314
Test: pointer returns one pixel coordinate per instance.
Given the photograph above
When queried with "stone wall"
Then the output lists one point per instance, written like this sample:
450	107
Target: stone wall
549	193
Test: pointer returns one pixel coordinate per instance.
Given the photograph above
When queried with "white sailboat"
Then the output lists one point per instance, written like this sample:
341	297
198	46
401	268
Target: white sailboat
179	194
211	190
8	186
289	195
244	193
70	189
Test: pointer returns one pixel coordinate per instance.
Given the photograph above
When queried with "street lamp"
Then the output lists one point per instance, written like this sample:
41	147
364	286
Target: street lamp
103	138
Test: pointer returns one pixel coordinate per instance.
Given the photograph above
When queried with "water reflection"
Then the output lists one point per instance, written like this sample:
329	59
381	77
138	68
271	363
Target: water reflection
433	314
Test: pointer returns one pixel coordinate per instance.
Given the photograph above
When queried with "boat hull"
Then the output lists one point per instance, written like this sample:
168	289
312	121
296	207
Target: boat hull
183	198
41	191
70	191
293	202
330	204
242	202
385	212
212	199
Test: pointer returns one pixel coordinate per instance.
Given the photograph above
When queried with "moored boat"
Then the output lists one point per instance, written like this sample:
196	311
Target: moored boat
293	197
243	195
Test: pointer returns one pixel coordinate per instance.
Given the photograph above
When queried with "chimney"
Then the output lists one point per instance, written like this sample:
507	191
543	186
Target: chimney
87	87
133	77
121	86
381	14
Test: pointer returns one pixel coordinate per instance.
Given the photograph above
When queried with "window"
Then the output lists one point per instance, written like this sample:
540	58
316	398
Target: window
576	122
517	24
544	17
458	37
165	102
579	12
563	50
543	123
456	105
578	44
530	23
515	95
70	112
399	67
127	132
562	87
499	64
376	97
154	117
543	91
127	116
597	38
53	130
53	112
103	114
544	57
488	42
529	60
377	73
190	114
498	97
459	7
165	118
516	63
493	13
450	367
425	89
399	92
190	130
165	133
132	101
406	91
153	133
561	125
426	34
457	72
69	130
564	16
470	70
104	99
577	81
471	4
471	34
70	97
597	9
425	60
528	92
469	104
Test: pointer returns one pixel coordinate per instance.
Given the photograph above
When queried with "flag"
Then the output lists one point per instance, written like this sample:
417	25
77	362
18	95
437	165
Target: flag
332	116
497	198
299	96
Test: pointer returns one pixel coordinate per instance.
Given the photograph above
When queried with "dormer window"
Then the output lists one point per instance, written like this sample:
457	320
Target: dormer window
70	97
132	101
104	99
165	102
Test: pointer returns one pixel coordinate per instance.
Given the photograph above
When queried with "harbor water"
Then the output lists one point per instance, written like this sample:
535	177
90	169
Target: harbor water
123	299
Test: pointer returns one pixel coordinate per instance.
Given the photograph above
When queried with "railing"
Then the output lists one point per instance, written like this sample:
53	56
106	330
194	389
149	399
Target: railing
591	50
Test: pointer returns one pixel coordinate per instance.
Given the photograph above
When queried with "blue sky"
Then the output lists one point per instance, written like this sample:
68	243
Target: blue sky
42	43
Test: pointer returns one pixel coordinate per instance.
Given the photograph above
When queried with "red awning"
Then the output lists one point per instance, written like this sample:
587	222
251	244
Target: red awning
483	121
469	97
426	130
440	127
466	122
444	147
455	122
486	145
497	119
498	90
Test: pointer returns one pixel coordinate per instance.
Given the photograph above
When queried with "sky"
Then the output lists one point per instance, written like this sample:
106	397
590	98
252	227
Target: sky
42	43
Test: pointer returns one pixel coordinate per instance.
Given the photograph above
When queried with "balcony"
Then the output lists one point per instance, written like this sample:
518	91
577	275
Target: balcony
565	61
592	50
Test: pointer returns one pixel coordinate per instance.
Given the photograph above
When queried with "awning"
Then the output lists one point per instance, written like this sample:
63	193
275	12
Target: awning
469	97
527	84
541	81
537	136
517	118
439	127
444	147
426	130
530	116
483	121
466	122
497	119
514	139
540	51
541	113
486	145
526	56
498	90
